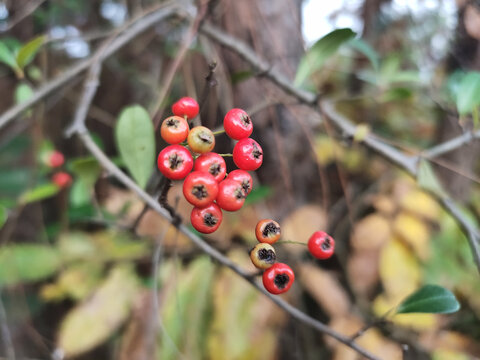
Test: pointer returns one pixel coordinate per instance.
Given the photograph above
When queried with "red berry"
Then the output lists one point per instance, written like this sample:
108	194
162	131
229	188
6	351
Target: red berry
175	162
212	163
62	179
55	159
200	188
242	177
237	124
267	231
201	140
230	195
206	220
278	278
186	106
247	154
174	129
321	245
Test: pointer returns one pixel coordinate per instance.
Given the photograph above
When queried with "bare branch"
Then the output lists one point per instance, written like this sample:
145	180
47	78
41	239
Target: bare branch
450	145
407	162
139	26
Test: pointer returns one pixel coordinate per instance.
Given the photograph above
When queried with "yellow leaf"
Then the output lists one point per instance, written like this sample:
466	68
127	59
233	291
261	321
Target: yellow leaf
361	132
415	232
93	321
327	150
371	232
399	270
420	203
448	355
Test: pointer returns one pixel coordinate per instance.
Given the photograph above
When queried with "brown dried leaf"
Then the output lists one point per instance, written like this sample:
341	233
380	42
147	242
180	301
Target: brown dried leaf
363	273
371	232
325	289
301	224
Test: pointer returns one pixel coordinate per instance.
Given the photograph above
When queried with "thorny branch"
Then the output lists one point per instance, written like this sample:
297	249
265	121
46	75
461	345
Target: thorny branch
327	107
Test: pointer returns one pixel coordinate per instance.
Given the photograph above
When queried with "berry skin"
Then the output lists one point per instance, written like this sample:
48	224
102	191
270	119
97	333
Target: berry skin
200	188
206	220
62	179
242	177
278	278
267	231
174	129
247	154
201	140
55	159
212	163
237	124
186	106
230	195
175	162
263	256
321	245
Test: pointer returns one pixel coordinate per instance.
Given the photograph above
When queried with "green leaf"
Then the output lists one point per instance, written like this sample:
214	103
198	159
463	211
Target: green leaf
431	299
427	179
363	47
316	56
28	51
23	92
27	262
7	57
3	216
468	92
39	193
135	139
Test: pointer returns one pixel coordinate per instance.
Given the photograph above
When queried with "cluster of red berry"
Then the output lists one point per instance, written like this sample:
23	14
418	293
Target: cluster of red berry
278	277
55	159
207	187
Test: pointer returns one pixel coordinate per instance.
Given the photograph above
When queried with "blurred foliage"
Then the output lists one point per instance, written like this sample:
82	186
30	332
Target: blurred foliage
72	266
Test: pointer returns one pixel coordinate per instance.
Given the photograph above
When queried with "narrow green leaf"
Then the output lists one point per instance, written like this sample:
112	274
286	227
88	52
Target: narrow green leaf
3	216
432	299
39	193
427	179
8	58
468	93
28	51
316	56
27	262
363	47
134	135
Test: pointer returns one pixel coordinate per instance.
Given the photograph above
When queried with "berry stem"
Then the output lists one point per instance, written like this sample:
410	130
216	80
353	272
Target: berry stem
218	132
226	155
291	242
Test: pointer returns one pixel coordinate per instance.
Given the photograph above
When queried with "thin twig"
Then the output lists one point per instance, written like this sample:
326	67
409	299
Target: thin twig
451	144
27	10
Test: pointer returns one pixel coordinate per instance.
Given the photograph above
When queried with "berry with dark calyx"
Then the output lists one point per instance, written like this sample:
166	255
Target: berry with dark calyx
321	245
174	129
242	177
175	162
237	124
207	219
212	163
230	195
263	256
62	179
267	231
248	154
186	107
201	140
278	278
200	188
